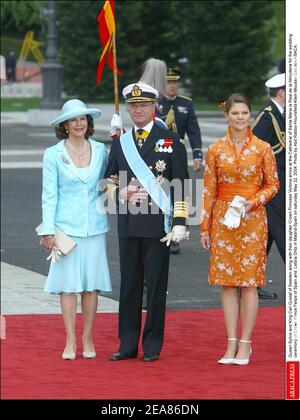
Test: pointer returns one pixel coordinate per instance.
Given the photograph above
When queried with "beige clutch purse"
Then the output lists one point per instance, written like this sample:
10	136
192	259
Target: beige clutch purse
65	243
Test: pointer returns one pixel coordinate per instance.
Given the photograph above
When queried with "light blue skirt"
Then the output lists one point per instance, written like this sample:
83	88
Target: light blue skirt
85	269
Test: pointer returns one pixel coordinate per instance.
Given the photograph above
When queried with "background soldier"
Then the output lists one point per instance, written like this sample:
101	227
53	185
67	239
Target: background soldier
178	113
11	64
270	126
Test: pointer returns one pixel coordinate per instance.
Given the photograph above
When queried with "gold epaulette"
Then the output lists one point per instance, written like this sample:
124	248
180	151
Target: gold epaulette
185	97
181	209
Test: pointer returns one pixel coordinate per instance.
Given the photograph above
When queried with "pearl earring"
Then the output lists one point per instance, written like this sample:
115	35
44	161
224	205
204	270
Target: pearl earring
67	131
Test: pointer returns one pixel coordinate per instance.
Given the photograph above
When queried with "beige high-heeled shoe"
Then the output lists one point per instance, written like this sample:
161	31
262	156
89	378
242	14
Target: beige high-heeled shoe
89	354
226	360
69	356
243	361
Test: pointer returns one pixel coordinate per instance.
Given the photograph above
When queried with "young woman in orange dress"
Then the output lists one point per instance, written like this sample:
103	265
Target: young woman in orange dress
238	164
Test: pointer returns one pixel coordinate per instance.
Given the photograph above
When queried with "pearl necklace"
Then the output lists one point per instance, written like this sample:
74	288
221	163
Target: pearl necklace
78	153
239	141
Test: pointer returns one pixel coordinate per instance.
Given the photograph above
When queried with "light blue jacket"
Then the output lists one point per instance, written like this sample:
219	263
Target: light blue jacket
70	198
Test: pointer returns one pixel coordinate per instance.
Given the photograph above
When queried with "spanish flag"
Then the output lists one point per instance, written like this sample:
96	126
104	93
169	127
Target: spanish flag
106	28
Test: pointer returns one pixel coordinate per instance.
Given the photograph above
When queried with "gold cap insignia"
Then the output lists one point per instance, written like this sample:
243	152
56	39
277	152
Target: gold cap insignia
136	91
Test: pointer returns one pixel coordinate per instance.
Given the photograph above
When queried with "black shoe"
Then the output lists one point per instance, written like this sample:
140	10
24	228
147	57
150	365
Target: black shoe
122	356
150	357
174	248
263	294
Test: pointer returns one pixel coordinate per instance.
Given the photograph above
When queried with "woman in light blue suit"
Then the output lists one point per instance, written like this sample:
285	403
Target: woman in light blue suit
72	170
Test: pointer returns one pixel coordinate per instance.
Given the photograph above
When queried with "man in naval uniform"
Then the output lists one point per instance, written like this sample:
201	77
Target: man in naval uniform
269	126
150	156
178	113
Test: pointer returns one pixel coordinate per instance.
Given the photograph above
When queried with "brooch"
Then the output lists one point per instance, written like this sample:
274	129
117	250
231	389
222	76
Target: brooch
65	160
164	145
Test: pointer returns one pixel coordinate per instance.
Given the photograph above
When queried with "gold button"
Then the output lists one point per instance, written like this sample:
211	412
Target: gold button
133	178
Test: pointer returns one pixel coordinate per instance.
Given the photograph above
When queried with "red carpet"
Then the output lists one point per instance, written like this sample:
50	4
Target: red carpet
32	367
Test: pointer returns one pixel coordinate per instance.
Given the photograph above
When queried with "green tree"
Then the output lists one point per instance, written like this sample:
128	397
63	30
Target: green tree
21	16
230	48
228	44
278	22
78	46
137	40
17	18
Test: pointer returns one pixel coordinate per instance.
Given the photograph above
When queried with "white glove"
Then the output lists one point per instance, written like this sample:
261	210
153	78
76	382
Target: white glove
177	234
235	211
115	125
54	256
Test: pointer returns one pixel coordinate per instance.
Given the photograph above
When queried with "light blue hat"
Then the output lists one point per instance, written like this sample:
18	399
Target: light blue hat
74	108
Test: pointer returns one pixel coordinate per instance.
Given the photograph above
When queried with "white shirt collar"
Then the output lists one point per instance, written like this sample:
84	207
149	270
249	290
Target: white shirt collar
147	127
171	98
281	109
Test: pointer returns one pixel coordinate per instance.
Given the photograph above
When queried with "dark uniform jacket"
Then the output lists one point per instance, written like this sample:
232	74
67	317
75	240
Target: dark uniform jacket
175	167
275	135
264	129
185	119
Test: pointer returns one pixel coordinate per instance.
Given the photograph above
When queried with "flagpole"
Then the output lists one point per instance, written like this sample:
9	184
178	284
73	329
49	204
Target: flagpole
116	94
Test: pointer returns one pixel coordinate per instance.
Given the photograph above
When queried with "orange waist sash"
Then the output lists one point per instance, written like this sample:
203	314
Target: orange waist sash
226	191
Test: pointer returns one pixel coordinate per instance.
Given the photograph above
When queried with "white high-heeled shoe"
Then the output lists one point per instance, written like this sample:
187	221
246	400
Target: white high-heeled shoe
243	361
89	354
69	356
226	360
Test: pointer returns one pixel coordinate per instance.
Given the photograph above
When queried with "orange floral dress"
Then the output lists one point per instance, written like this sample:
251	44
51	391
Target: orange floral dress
238	256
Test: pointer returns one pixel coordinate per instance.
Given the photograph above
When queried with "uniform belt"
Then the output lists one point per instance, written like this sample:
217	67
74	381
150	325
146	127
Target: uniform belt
226	191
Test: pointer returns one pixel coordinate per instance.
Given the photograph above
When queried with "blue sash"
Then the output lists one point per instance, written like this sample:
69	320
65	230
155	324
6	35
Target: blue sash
147	178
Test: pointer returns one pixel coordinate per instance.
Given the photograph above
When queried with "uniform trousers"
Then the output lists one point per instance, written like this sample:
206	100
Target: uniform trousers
142	258
276	219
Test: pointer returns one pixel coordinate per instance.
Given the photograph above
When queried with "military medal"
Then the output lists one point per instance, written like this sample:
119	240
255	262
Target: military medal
164	145
160	166
158	145
160	179
168	145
